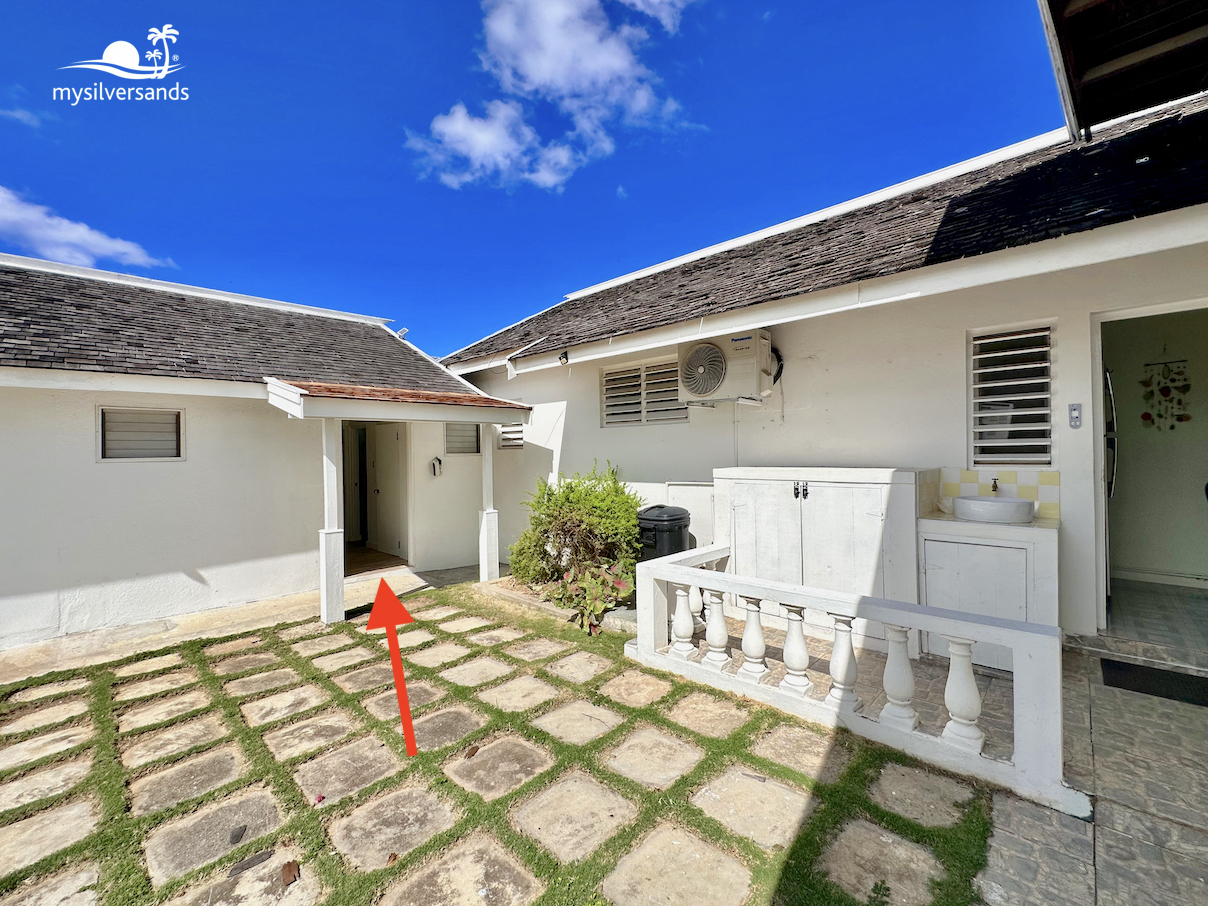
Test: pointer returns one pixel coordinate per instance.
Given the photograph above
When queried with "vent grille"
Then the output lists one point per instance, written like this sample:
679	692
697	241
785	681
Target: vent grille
511	437
641	395
1011	376
140	434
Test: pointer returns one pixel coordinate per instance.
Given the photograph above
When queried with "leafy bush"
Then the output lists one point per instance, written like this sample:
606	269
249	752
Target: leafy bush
581	543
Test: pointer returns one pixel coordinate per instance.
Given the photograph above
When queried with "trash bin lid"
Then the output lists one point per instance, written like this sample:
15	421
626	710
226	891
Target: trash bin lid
661	514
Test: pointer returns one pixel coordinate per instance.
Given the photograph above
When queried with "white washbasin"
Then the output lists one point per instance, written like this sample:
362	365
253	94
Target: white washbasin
1010	510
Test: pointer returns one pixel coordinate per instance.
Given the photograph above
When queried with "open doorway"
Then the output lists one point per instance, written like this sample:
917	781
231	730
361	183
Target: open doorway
1156	478
375	496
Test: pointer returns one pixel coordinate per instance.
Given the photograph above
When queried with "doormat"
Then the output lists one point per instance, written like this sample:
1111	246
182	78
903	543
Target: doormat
1179	687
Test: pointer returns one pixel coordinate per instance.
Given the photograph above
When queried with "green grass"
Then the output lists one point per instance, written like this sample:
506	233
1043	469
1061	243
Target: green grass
787	877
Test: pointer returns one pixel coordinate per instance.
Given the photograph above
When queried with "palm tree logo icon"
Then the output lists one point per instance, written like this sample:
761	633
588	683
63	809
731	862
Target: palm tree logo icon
121	58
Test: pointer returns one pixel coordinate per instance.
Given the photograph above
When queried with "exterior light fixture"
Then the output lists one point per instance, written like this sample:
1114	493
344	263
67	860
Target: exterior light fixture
564	358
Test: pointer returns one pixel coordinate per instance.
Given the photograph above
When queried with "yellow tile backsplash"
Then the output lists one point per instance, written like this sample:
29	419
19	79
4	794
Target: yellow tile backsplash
1043	487
1050	478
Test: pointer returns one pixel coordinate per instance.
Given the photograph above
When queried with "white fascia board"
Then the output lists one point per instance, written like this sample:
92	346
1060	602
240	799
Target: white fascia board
285	397
390	411
59	379
1143	236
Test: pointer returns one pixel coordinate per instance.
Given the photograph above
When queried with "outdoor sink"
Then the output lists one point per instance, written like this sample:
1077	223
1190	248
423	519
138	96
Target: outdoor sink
1010	510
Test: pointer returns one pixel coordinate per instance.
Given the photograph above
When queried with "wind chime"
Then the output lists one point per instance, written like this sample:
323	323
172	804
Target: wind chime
1165	394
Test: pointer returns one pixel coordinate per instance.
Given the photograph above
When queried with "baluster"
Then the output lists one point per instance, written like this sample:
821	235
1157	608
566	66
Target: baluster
696	599
899	682
796	654
753	668
844	669
681	624
962	697
716	632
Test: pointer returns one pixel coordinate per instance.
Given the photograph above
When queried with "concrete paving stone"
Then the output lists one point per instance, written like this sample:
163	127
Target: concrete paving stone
309	735
44	716
44	833
537	649
261	682
196	839
46	690
411	639
578	722
30	750
519	694
418	603
579	667
438	654
465	624
75	886
499	767
330	663
154	685
341	772
321	645
1019	872
303	630
395	823
384	705
671	867
1130	872
573	816
51	781
754	806
707	715
476	672
366	677
234	645
1176	837
863	854
172	740
820	757
477	871
436	613
652	757
258	886
244	662
187	779
445	727
282	704
497	636
161	709
635	689
921	796
148	665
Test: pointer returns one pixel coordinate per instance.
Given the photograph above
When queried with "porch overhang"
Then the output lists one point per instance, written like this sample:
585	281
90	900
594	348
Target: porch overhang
310	399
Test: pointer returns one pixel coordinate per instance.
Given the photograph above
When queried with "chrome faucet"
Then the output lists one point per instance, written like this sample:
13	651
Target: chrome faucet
994	485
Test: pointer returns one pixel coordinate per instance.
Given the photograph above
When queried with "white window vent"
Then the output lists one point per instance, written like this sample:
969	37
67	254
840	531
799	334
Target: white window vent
511	437
641	395
461	437
1011	377
141	434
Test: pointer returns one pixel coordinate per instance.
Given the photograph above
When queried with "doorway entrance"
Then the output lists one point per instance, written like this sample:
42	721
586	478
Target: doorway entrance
376	495
1156	478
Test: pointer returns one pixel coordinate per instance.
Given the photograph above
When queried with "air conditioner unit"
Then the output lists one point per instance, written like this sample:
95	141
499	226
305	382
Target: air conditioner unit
738	367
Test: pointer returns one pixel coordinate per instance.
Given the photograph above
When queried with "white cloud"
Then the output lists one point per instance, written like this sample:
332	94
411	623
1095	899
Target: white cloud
566	53
35	228
22	116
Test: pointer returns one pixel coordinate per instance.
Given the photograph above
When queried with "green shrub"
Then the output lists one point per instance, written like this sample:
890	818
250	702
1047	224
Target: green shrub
581	543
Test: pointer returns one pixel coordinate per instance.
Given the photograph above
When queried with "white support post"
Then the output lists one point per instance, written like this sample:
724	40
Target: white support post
796	654
899	681
488	518
753	668
681	623
963	698
716	632
844	669
331	537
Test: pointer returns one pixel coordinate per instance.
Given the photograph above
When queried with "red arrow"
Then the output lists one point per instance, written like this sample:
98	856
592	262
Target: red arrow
388	612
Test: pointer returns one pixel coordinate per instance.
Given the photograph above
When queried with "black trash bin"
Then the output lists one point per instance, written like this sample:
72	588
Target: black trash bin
663	530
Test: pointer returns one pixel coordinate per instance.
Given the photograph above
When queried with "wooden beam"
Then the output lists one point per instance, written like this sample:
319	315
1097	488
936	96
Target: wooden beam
1145	54
1077	6
1065	86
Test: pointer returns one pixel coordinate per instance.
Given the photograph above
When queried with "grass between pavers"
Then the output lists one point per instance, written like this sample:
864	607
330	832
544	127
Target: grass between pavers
785	878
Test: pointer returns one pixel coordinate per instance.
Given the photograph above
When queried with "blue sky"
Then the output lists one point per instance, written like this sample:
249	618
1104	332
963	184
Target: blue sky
459	165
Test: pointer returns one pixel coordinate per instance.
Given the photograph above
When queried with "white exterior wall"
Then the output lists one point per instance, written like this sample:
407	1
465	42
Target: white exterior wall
87	544
880	386
443	519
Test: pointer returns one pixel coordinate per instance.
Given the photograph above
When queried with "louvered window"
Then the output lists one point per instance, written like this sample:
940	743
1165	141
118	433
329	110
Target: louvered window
1012	386
461	437
641	395
511	437
140	434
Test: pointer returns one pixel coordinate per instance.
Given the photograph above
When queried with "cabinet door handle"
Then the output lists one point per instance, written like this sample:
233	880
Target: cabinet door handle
796	489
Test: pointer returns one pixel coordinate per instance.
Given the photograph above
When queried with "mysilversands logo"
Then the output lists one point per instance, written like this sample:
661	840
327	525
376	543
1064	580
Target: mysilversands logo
121	59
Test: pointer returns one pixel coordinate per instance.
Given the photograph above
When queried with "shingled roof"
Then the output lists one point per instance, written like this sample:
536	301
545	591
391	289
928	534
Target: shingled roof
1146	166
84	323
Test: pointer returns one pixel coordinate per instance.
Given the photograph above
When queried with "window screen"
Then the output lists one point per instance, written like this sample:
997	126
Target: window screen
140	434
1011	375
461	437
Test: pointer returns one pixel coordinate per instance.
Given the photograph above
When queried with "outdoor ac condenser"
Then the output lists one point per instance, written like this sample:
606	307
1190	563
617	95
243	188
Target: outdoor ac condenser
737	367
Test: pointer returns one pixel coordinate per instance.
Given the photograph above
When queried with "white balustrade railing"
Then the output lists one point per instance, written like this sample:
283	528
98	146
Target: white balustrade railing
668	625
